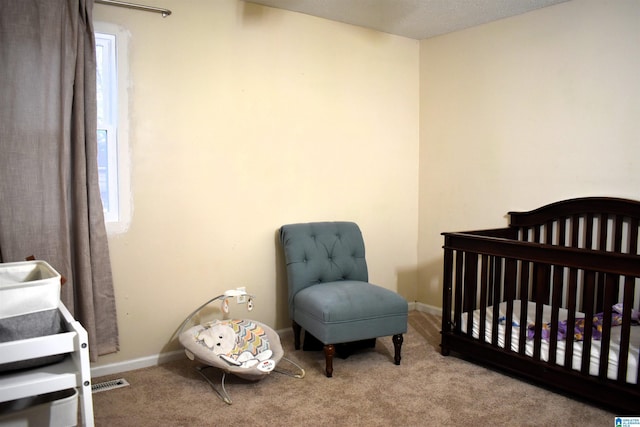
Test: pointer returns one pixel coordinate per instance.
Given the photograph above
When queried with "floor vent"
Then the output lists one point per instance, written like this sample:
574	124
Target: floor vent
109	385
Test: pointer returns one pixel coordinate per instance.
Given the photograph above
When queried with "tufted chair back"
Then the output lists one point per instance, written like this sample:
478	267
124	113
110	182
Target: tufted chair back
322	252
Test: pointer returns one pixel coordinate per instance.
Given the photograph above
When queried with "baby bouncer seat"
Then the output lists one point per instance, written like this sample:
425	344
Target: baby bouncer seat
245	348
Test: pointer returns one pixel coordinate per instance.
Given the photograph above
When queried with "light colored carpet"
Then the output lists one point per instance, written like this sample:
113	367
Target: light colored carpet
367	389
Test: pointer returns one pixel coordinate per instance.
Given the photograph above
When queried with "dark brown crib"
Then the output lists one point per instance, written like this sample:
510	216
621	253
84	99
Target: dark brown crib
553	298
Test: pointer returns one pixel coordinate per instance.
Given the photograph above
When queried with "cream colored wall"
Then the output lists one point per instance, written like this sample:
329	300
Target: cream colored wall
243	118
522	112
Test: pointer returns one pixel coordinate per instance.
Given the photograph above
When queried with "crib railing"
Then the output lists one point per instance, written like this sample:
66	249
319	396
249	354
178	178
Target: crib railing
483	271
598	223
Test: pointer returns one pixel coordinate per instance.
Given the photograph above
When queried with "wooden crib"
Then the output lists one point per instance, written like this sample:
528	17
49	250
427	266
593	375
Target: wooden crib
553	298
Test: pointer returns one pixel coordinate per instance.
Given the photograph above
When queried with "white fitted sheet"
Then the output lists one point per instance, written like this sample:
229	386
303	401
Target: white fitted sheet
614	346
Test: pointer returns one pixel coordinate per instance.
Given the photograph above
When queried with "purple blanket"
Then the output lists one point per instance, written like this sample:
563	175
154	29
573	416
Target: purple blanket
578	328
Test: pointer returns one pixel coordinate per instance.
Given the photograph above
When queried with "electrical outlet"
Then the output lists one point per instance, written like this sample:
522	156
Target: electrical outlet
241	299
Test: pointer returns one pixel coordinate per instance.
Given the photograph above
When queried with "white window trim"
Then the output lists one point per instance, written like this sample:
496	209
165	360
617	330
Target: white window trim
124	202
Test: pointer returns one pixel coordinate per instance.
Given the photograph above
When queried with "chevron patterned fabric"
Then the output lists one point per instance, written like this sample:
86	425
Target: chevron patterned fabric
250	336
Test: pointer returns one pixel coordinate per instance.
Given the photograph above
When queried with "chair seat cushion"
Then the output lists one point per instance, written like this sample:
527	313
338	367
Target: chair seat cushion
369	310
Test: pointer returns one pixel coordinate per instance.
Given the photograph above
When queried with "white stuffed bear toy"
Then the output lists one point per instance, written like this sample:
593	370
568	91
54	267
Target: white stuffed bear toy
223	340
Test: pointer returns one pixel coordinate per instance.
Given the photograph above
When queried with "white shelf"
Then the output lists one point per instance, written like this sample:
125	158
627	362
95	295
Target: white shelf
73	372
58	376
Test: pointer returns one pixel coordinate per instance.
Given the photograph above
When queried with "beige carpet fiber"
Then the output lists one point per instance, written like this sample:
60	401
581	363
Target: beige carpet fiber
367	389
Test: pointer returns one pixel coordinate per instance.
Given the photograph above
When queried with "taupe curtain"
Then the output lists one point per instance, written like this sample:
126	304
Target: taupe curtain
50	203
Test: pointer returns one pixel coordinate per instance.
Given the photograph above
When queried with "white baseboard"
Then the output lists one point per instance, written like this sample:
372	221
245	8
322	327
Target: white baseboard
425	308
157	359
133	364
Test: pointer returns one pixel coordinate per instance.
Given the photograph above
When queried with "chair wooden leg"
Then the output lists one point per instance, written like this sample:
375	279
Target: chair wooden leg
296	335
397	343
329	351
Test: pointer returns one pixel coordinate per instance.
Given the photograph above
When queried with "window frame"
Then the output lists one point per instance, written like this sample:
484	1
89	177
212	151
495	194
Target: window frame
108	124
113	119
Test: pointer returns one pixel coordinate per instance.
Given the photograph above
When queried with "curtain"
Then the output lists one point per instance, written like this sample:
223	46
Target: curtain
50	203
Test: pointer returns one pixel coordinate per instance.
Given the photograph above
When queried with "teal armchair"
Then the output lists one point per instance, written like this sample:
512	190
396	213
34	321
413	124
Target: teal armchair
329	294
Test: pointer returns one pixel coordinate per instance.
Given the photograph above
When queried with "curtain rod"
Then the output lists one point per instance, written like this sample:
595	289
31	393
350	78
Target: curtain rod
164	12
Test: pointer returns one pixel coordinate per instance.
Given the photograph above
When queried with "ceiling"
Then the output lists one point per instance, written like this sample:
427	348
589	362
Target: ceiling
416	19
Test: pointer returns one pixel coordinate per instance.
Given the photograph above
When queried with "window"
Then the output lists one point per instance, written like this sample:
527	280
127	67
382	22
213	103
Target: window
113	156
107	95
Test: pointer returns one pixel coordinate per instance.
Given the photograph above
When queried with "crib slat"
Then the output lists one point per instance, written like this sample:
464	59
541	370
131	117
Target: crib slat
627	305
610	296
588	235
508	325
537	234
604	223
524	297
457	311
510	271
589	289
556	301
618	222
541	297
470	286
633	238
575	231
470	281
542	283
483	297
522	342
571	317
497	298
490	285
562	231
537	337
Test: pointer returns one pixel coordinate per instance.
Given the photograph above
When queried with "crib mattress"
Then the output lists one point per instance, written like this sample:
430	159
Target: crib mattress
614	345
